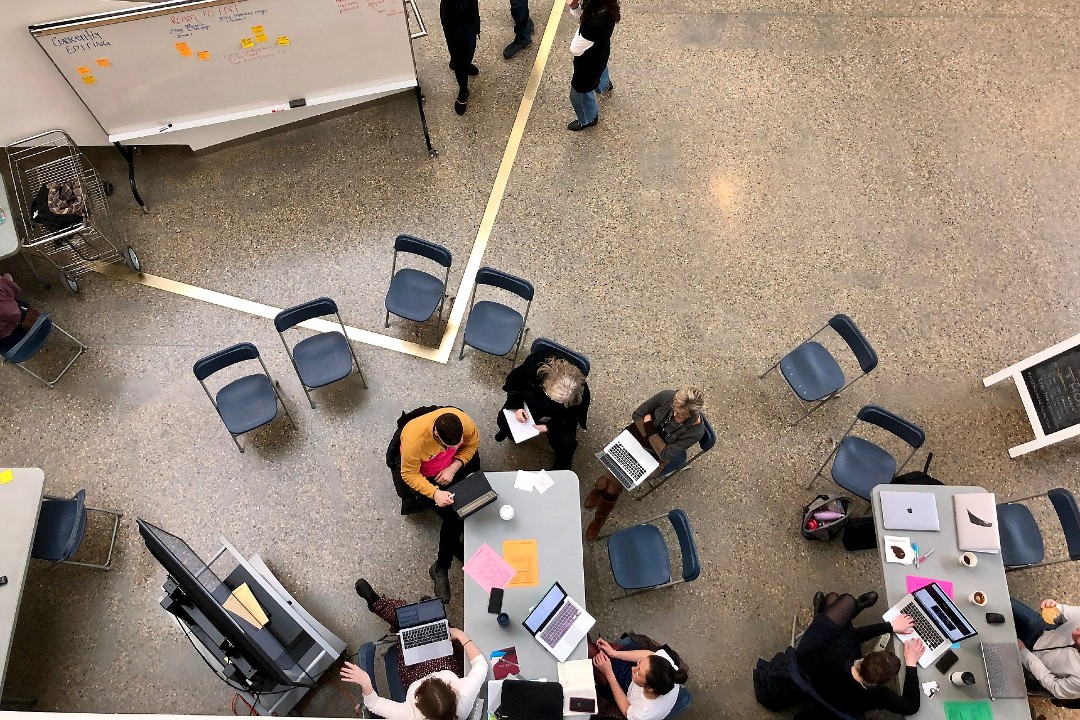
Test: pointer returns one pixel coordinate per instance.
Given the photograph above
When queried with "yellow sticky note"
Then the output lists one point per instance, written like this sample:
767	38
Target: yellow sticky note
522	555
283	40
204	54
257	29
183	48
247	42
83	70
103	62
89	79
6	476
260	37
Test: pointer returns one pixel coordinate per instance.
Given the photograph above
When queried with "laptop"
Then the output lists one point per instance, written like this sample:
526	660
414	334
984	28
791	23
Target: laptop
1004	673
938	622
909	511
977	522
423	631
558	623
627	460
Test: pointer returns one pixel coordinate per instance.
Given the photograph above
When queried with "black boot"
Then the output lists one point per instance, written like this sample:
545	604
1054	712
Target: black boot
866	600
441	578
364	590
819	602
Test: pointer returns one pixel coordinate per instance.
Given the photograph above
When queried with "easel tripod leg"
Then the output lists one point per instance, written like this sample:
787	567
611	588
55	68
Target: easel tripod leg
423	121
129	155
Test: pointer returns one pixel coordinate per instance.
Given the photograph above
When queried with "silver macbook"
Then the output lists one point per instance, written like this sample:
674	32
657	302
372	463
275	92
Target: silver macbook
558	623
423	631
938	622
909	511
1004	673
627	460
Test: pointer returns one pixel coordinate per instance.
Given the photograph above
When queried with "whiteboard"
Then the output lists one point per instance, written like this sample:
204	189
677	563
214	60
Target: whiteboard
173	66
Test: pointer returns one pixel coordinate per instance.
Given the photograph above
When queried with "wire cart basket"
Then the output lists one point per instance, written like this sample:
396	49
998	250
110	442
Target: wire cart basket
75	251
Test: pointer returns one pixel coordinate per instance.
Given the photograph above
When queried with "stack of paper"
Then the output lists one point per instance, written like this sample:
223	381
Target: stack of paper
576	677
528	481
521	431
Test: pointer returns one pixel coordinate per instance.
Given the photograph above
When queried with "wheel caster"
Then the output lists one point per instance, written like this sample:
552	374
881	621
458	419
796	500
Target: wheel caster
131	259
70	284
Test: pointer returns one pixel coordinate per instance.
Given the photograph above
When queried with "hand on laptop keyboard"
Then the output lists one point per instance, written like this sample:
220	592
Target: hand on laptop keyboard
902	624
913	650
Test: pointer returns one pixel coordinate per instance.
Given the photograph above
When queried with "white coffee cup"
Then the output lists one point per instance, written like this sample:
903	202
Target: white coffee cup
969	559
506	512
977	598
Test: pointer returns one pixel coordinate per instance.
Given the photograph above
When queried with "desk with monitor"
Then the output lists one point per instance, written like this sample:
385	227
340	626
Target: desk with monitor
987	576
553	519
20	503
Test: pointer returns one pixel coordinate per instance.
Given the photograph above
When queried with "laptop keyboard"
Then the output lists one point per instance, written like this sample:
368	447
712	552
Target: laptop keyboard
415	637
622	456
558	626
926	630
616	471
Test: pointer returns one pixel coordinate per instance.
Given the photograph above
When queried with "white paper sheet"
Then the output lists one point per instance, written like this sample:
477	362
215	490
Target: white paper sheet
521	431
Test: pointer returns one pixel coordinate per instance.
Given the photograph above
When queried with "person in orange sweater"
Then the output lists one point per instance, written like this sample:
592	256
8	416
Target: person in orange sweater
437	450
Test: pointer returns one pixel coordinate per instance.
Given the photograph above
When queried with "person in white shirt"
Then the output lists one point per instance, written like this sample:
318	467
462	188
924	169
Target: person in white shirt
650	690
441	695
1049	641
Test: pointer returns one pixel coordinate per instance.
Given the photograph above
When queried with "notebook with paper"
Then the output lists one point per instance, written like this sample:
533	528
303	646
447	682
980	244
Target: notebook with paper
576	678
977	522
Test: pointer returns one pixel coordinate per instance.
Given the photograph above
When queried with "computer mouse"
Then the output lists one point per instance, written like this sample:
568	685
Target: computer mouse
995	618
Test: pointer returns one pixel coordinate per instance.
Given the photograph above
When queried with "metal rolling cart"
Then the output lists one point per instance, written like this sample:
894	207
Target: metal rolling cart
54	157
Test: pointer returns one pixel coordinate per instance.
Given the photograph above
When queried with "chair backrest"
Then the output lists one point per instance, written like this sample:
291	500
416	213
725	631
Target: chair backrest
222	359
393	677
290	317
1069	516
550	346
691	563
58	543
682	703
845	327
511	283
31	342
365	660
424	248
708	440
906	430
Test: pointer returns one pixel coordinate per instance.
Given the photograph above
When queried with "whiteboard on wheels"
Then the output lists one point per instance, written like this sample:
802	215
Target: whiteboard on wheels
173	66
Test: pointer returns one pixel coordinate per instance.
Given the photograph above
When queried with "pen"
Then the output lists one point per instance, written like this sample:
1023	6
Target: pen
928	554
915	549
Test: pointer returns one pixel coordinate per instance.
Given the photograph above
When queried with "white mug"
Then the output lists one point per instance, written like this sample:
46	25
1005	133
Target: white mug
977	598
969	559
506	512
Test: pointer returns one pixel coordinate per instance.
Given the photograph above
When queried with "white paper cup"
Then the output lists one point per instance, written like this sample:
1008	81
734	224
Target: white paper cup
977	598
506	512
969	559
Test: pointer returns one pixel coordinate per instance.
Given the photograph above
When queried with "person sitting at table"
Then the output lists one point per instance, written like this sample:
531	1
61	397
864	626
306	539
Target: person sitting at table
1049	641
437	689
15	320
439	449
830	654
558	398
638	679
667	425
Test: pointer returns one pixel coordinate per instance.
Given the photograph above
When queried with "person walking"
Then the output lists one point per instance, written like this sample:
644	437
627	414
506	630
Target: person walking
461	26
523	28
591	48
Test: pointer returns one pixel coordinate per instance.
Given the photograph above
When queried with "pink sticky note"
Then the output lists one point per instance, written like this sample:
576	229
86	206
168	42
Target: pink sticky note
488	569
914	582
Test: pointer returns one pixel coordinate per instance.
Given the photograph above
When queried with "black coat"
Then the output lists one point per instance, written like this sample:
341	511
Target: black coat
524	386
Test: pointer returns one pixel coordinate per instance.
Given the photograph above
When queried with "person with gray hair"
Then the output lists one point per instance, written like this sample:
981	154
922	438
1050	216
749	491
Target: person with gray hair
667	425
558	398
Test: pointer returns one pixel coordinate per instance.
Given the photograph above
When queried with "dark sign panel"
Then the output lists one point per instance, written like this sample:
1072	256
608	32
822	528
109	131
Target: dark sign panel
1054	385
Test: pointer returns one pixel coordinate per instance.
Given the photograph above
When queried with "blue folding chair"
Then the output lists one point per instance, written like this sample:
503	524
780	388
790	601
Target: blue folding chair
492	327
320	359
31	342
61	527
814	375
244	404
550	347
641	561
415	294
679	463
682	703
365	660
858	464
1022	544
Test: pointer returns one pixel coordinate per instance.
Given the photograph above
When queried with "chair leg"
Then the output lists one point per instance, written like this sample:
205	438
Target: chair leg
237	442
461	355
768	369
306	392
112	541
285	407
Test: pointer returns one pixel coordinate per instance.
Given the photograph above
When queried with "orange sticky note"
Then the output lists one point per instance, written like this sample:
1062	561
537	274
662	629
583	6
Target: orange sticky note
247	42
283	40
83	70
103	62
89	79
183	48
204	54
6	476
260	37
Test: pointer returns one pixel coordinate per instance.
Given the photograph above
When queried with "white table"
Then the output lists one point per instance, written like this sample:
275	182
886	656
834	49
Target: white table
20	503
553	519
9	237
988	575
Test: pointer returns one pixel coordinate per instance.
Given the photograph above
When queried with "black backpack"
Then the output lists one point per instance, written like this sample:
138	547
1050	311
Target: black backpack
918	477
68	196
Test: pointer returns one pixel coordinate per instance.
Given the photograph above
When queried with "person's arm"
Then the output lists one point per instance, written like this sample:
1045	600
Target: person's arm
907	702
470	440
665	452
583	408
602	663
866	632
410	469
517	384
380	706
574	6
469	686
650	406
9	288
1063	687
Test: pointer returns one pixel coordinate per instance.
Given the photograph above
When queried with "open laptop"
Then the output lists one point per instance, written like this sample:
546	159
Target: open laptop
627	460
938	622
423	631
1004	673
909	511
558	623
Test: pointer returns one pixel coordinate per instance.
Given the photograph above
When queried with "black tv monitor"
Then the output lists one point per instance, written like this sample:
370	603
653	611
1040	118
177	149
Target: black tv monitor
203	589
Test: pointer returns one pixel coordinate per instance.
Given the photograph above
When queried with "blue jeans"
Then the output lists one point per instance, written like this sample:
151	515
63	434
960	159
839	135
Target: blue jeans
585	103
1029	623
523	24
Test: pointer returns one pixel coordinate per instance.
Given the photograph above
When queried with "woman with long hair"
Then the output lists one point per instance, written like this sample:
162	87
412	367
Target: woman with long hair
638	678
591	48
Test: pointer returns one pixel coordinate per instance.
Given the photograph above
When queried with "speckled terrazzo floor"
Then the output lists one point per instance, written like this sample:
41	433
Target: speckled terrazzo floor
759	167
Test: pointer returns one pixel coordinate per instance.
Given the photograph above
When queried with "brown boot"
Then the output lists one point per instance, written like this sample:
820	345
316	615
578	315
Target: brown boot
594	495
604	506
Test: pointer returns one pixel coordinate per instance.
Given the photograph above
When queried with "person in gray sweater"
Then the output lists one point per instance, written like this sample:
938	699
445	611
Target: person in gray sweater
1049	641
667	425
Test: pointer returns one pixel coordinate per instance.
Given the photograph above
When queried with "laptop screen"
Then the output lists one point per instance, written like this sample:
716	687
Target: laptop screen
547	605
937	606
420	613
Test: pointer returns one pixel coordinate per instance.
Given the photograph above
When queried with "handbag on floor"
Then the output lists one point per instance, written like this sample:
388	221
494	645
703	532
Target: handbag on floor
825	517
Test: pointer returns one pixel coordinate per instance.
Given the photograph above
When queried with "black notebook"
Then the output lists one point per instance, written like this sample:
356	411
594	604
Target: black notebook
472	493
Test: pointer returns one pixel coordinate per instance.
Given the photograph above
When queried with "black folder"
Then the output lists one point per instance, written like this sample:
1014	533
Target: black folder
472	493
